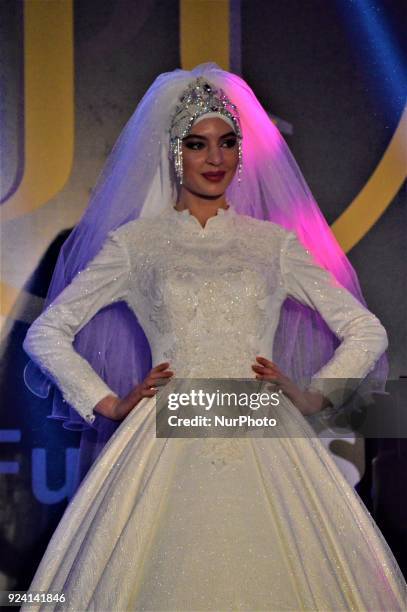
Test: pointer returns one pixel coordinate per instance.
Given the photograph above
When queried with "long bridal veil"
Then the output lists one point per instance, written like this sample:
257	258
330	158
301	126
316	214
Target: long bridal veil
137	180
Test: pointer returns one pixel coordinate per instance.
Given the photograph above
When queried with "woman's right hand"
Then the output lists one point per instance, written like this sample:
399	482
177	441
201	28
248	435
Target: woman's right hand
117	408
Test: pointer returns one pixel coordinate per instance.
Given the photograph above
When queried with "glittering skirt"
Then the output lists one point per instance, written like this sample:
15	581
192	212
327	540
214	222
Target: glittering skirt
218	524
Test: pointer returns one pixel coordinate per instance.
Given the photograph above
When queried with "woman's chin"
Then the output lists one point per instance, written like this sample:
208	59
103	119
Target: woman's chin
209	192
214	189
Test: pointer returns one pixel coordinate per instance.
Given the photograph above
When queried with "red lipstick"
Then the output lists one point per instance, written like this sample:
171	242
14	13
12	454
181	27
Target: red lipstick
214	177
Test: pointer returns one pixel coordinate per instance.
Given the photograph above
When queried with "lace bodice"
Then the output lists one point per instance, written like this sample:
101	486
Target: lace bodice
208	299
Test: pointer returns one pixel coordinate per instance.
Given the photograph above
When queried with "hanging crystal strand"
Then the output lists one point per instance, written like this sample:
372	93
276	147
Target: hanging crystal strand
240	164
178	163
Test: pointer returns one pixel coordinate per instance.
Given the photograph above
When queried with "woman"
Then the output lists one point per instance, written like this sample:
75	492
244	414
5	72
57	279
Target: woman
193	523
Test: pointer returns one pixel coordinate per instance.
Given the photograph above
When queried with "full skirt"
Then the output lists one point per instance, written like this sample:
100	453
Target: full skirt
187	524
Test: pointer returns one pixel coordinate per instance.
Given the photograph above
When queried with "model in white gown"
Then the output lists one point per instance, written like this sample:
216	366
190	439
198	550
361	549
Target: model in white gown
211	524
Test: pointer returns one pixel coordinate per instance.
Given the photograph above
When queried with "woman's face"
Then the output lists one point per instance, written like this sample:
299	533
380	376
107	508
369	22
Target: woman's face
210	158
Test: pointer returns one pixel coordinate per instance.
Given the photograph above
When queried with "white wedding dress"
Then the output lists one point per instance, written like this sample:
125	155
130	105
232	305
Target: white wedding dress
187	524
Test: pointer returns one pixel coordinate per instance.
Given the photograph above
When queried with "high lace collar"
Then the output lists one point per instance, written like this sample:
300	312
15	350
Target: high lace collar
185	216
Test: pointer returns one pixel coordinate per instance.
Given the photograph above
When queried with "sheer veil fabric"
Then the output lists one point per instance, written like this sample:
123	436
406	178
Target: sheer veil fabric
202	523
137	181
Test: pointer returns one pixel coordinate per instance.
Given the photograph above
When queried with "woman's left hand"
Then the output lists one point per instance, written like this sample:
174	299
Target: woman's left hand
307	402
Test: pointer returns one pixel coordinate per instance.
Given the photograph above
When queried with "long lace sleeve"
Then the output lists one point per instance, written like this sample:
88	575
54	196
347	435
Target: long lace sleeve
49	340
363	338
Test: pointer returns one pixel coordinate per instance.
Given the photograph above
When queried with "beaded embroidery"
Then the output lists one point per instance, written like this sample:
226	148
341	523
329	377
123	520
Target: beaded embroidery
208	299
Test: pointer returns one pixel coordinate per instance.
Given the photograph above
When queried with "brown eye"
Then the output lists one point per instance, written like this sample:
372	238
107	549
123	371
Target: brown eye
229	143
195	146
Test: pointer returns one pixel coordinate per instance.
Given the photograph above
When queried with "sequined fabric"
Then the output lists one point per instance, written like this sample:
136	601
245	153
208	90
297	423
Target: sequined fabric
208	300
211	524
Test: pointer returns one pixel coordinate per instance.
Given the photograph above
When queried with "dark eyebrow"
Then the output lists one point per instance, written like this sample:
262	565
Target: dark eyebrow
227	135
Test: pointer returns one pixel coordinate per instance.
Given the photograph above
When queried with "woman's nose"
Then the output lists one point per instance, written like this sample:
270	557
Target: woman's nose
215	156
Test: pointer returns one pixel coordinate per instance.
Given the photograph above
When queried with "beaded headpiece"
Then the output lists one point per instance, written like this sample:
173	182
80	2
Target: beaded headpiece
201	98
